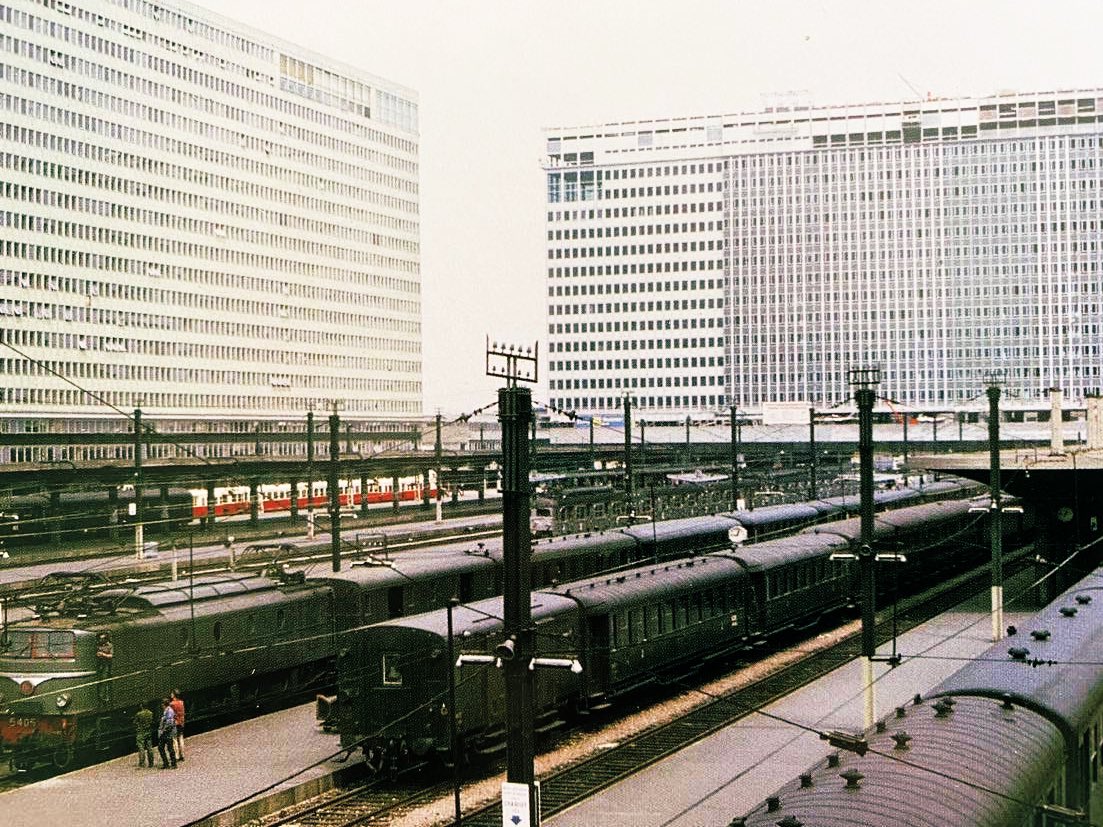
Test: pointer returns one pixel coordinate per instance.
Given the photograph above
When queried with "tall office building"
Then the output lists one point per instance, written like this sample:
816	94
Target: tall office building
201	220
696	263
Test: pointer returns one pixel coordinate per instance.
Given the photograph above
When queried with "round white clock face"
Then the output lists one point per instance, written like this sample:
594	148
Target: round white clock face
1064	514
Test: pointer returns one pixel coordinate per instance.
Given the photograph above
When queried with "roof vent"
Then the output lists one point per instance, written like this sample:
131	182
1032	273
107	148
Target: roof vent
1012	631
738	821
901	738
1007	704
1083	599
1068	611
790	821
1040	634
918	699
901	712
943	708
852	777
773	804
806	779
833	759
1018	652
880	726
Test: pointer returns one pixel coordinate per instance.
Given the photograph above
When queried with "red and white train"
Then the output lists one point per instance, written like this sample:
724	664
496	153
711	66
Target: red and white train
271	498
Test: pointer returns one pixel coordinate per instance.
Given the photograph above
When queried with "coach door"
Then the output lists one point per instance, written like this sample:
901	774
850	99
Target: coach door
596	672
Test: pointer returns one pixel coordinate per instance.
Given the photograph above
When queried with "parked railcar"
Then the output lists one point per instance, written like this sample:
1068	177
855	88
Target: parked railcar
402	667
1010	740
663	617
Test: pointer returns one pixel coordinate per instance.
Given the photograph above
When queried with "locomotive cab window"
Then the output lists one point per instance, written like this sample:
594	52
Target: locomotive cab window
38	645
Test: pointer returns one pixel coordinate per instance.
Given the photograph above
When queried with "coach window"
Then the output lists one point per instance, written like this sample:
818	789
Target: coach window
694	607
666	617
392	675
680	612
620	629
651	621
635	626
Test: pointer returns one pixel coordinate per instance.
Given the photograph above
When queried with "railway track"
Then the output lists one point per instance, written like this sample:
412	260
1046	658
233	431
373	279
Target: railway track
563	788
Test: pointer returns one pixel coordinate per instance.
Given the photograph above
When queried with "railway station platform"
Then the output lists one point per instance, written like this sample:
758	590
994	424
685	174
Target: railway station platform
734	770
222	769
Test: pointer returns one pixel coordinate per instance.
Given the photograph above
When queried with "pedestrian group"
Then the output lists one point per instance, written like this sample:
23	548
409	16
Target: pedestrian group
165	731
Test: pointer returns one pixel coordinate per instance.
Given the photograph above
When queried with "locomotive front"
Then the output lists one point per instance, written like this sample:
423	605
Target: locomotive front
48	674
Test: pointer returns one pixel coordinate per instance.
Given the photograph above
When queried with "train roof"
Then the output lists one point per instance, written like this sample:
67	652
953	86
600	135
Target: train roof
975	765
775	513
886	524
666	530
673	578
469	619
792	549
570	545
1060	675
401	568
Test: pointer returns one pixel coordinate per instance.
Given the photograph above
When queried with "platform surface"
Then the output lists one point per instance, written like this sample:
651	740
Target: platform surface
221	768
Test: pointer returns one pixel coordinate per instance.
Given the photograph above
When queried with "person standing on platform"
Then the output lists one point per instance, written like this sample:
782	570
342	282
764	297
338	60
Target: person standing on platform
177	704
105	653
143	735
166	734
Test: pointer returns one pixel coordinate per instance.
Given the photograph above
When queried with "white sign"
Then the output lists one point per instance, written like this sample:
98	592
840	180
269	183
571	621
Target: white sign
516	806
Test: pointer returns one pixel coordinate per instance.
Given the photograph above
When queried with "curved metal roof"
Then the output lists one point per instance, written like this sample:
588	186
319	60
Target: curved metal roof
479	617
602	542
716	525
759	556
1060	676
775	513
675	577
980	764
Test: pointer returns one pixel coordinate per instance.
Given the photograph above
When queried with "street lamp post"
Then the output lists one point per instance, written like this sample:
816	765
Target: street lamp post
865	382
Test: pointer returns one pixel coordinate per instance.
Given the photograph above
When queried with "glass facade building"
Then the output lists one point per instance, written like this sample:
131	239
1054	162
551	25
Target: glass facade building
201	220
697	263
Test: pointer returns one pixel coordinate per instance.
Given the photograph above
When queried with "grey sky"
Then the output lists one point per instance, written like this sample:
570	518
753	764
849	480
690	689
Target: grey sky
490	75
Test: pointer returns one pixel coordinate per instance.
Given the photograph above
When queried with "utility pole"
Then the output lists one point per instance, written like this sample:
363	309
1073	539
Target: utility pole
334	493
310	473
592	463
437	455
735	456
812	453
865	382
139	512
995	522
689	449
517	650
905	437
628	450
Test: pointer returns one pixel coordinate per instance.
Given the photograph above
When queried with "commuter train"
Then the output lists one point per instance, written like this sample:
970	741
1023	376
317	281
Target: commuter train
271	498
636	626
1013	739
233	641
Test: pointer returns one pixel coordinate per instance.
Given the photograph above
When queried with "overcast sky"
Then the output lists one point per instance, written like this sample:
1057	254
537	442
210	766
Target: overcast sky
492	74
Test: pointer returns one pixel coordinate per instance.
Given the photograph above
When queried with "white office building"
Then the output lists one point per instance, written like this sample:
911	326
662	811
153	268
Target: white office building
200	220
697	263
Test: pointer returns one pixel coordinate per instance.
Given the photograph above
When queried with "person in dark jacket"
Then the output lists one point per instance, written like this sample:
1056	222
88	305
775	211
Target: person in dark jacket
166	735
